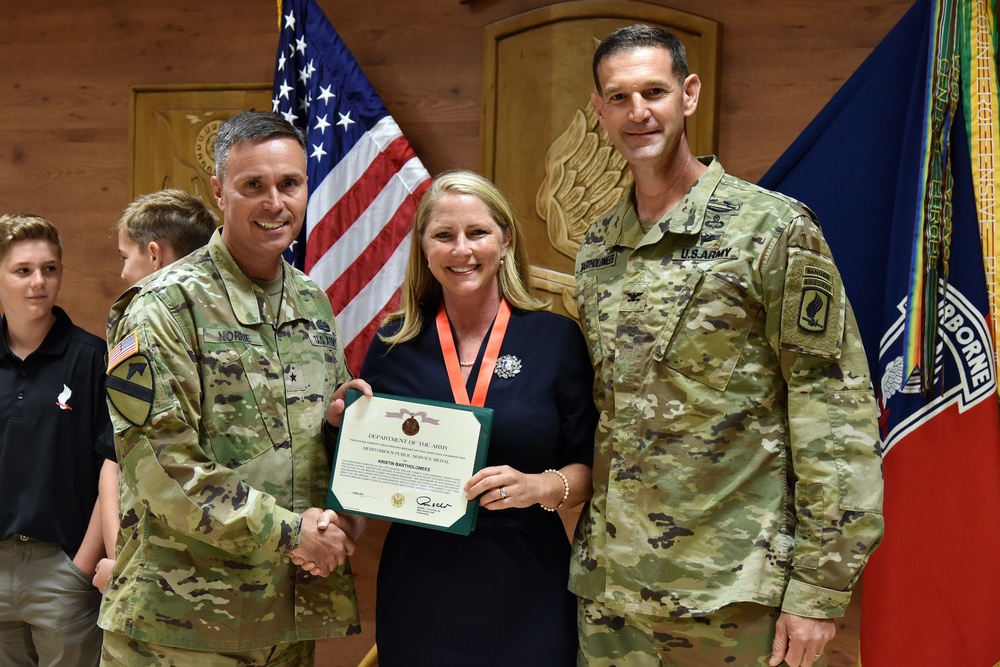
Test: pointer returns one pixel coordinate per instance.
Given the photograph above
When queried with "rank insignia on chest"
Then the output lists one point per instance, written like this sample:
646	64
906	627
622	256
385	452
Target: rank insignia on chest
130	381
295	380
633	298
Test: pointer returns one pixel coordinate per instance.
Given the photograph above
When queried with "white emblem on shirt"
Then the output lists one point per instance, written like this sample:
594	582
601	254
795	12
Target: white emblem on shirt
63	399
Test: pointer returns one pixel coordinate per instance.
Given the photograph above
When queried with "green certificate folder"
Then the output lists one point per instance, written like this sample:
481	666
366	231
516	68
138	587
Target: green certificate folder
408	459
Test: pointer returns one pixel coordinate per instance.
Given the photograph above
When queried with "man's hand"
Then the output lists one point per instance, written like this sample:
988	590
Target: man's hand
335	410
799	641
324	544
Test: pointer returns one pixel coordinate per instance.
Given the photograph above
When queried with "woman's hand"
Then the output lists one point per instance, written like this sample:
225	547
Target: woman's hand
503	487
335	411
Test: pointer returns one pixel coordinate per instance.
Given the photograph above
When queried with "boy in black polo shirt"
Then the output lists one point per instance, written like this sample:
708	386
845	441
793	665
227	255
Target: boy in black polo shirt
51	409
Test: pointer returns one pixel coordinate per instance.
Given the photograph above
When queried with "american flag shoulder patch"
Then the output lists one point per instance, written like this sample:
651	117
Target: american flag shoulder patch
126	347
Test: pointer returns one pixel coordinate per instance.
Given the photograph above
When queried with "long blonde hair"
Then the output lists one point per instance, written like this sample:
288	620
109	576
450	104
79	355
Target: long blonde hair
421	288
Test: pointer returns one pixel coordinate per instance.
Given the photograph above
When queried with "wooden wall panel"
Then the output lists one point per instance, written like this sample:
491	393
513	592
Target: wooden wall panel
66	67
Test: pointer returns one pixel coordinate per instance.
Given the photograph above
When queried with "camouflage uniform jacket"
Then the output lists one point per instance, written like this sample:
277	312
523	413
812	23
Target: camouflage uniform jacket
215	480
736	449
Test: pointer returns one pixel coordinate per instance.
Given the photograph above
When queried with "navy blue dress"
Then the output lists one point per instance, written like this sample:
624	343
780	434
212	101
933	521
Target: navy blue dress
499	595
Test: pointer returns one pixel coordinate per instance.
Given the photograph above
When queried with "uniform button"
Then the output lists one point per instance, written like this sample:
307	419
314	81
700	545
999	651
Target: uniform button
20	395
24	538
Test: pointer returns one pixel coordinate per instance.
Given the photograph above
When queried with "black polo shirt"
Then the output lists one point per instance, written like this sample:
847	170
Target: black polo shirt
52	410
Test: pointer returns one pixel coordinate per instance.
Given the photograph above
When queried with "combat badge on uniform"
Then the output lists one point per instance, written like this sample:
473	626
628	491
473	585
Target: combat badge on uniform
130	380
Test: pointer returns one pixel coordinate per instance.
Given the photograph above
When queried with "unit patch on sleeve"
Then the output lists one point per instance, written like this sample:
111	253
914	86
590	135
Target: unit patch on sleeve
814	306
130	381
125	348
812	318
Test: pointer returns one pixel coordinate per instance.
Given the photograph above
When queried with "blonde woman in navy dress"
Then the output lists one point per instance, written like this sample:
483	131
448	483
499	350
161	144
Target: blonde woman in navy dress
497	596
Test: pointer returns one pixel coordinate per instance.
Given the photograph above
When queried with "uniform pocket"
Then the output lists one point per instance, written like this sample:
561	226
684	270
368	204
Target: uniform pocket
859	480
240	409
74	573
587	303
706	340
809	506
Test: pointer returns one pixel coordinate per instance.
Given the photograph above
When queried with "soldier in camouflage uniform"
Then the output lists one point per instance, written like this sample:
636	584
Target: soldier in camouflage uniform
738	485
223	370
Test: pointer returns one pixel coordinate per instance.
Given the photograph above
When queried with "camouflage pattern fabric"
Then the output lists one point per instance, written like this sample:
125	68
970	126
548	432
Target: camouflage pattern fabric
214	482
121	650
739	635
736	453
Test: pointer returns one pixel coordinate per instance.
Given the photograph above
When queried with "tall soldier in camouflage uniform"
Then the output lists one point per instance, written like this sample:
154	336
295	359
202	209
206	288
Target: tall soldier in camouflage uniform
738	487
223	370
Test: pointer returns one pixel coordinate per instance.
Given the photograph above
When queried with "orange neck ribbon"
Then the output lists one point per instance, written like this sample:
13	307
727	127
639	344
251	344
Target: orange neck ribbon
458	389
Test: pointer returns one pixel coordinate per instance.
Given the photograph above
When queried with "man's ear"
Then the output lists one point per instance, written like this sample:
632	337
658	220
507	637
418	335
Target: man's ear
217	192
692	91
597	102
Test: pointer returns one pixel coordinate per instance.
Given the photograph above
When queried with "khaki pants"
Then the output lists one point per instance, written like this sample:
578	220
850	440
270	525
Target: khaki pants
48	608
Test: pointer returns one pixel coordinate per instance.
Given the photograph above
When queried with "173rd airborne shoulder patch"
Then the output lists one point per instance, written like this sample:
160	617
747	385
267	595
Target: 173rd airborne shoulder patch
812	320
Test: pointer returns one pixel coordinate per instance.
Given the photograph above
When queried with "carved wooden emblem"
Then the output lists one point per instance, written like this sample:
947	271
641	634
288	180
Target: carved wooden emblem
172	134
584	177
541	140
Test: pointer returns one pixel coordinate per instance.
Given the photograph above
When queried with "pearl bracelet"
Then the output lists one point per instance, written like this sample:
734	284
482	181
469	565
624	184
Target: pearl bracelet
565	491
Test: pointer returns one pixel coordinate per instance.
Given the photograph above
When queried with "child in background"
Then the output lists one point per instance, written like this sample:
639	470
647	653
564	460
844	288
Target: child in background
154	231
158	229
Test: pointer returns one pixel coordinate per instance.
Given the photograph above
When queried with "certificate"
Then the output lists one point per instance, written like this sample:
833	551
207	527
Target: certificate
408	459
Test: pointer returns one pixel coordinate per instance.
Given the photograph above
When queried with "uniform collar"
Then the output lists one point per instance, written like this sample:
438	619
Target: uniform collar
685	218
118	308
250	303
55	340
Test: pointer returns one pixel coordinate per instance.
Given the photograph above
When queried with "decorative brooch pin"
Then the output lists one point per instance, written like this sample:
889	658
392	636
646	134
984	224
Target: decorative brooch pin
507	366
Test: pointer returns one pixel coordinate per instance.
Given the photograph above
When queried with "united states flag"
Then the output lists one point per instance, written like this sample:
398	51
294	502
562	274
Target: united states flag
364	179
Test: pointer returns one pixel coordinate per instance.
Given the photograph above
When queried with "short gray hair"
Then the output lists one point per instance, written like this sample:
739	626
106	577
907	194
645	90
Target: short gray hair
251	126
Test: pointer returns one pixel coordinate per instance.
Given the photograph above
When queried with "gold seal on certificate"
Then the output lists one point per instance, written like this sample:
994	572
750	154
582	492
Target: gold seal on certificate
408	459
